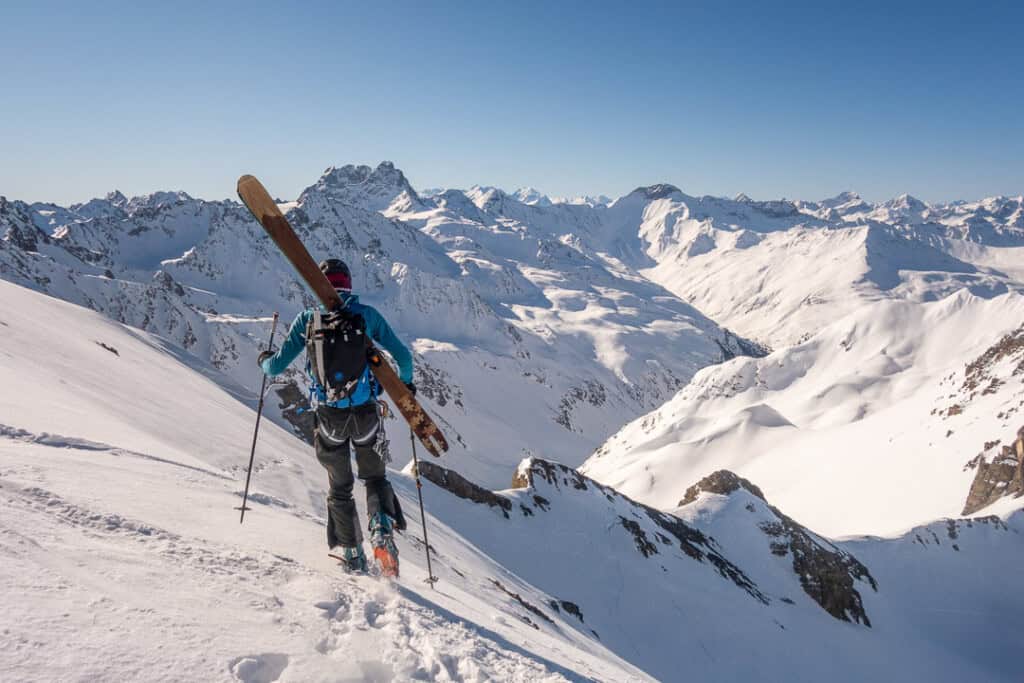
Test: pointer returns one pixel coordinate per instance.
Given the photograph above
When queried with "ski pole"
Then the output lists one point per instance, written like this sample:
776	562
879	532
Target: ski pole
256	431
431	579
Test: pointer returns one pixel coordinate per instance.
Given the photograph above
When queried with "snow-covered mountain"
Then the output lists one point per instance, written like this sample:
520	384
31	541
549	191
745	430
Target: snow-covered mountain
573	342
114	502
791	267
888	410
867	427
122	461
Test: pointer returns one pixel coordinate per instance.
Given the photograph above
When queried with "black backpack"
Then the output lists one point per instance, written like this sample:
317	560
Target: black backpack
336	349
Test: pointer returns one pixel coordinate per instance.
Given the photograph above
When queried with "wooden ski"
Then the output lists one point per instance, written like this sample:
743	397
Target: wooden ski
261	204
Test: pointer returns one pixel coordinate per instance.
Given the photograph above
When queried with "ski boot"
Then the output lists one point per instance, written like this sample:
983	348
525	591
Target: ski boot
383	542
353	560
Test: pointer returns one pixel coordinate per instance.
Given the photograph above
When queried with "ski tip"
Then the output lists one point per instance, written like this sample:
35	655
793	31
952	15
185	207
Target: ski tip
246	184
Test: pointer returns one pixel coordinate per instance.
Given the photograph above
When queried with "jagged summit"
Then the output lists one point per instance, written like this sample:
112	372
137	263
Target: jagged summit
905	202
487	197
372	189
655	192
116	198
160	198
531	196
843	199
585	200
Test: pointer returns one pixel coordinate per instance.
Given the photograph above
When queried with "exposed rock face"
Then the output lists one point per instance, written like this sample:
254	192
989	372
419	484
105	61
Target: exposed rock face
990	371
722	482
655	192
826	572
455	483
648	526
733	345
533	609
591	392
1002	477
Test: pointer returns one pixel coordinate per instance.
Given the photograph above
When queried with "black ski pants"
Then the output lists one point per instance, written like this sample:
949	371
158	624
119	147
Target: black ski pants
340	430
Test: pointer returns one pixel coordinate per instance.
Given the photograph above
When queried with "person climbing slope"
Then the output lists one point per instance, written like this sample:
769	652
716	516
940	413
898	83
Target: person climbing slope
344	395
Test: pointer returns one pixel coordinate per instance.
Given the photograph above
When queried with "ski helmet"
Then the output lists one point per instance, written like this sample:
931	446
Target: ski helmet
338	273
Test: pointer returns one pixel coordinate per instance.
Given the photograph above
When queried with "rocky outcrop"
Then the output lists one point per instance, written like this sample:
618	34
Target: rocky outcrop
652	530
591	392
987	373
455	483
1001	477
826	573
655	192
722	482
732	346
533	609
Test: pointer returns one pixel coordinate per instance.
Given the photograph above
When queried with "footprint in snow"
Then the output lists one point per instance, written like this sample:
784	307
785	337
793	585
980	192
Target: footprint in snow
263	668
334	609
373	611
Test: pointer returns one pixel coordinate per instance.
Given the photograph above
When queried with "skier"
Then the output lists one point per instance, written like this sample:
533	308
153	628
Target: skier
344	395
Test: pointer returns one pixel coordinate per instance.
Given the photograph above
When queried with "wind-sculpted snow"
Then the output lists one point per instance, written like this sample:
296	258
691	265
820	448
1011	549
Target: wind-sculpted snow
863	428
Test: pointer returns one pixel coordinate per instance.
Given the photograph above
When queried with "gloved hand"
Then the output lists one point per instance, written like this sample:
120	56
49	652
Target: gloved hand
263	356
411	387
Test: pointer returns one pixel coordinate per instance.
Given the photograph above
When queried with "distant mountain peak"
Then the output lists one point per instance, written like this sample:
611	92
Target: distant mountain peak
350	175
153	200
116	198
586	200
658	191
907	202
370	188
846	197
531	196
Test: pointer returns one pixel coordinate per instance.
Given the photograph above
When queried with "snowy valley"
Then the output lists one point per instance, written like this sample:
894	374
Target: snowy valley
693	438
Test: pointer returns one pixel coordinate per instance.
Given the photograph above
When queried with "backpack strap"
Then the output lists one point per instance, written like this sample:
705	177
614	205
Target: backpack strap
317	333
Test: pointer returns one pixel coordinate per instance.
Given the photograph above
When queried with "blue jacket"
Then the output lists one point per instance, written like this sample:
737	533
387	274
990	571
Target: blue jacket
376	327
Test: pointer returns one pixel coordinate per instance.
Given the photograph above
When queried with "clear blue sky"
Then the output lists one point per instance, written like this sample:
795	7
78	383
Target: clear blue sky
795	100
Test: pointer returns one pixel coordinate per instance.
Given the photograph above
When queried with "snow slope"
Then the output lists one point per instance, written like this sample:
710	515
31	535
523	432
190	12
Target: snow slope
123	559
898	361
586	314
864	428
778	271
944	606
574	343
122	460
